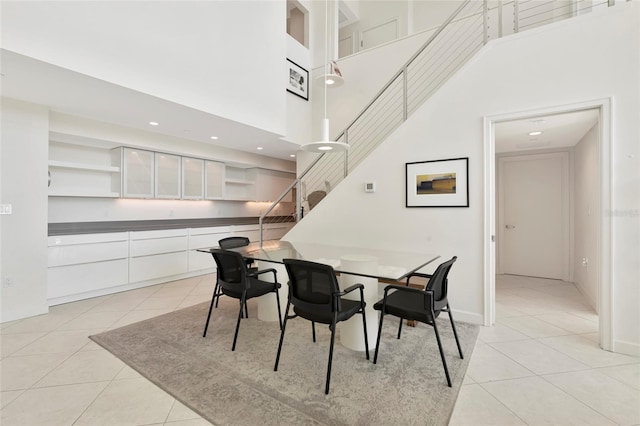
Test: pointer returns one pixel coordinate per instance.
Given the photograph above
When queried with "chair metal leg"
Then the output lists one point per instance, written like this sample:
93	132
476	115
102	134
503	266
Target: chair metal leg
375	356
216	294
366	339
313	331
455	333
279	311
444	362
284	326
235	336
206	325
400	328
246	310
333	337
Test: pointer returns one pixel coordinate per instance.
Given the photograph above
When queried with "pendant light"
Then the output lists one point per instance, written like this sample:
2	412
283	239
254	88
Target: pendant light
333	78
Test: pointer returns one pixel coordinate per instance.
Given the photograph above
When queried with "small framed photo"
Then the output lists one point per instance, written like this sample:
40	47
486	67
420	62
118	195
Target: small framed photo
298	80
438	183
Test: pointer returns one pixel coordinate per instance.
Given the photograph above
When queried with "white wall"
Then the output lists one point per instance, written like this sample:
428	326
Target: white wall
591	57
24	233
221	57
586	216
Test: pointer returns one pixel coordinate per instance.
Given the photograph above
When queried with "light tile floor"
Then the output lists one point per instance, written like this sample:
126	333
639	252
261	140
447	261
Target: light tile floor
540	364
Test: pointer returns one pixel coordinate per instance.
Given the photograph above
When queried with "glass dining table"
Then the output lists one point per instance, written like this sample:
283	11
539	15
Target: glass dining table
354	265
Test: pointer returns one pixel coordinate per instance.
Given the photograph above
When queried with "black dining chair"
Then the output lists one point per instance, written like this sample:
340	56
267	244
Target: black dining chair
315	295
420	305
230	243
235	281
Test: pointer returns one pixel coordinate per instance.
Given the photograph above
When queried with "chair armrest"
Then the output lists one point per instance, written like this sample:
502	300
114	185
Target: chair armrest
350	289
402	288
264	271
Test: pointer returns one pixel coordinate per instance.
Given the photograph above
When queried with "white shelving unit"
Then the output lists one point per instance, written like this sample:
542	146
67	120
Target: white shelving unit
239	184
76	171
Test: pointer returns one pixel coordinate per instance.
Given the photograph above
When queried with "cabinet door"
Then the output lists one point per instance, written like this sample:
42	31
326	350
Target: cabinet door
214	180
138	173
167	177
192	178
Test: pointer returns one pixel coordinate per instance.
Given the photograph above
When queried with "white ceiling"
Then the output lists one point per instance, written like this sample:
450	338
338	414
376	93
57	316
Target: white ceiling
558	131
69	92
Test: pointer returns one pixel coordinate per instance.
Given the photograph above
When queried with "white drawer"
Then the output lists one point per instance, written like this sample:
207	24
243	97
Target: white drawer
211	230
206	240
86	253
74	279
158	246
163	233
64	240
158	266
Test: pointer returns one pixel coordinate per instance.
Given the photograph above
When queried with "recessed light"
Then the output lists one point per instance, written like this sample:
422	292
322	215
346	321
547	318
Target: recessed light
292	155
214	137
153	123
259	148
536	133
325	148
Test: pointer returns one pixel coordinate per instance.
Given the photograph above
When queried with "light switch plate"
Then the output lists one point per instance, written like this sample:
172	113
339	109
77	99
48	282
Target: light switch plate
5	208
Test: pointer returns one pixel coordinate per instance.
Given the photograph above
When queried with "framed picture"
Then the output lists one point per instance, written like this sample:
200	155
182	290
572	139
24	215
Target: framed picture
438	183
298	80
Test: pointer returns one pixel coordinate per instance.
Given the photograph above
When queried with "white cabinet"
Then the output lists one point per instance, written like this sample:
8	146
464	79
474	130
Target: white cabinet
78	171
157	254
138	171
214	180
240	184
192	178
86	264
168	176
271	184
204	238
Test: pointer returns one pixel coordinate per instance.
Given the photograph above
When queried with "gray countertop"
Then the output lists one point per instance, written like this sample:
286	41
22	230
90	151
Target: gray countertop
72	228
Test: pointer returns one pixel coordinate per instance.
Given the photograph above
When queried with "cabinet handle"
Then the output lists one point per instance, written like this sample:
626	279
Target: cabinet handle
49	182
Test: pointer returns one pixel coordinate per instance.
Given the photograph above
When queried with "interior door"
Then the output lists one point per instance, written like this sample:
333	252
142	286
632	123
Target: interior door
534	215
379	34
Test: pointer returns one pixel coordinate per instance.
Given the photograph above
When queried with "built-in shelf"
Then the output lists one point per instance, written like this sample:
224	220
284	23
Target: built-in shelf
82	166
239	182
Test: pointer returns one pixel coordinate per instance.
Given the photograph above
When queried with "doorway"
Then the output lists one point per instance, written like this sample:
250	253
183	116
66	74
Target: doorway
600	261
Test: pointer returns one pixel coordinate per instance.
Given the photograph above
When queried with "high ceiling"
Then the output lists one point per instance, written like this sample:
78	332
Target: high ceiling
558	131
69	92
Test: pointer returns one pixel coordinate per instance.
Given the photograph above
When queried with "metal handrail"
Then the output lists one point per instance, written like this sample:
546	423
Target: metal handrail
385	100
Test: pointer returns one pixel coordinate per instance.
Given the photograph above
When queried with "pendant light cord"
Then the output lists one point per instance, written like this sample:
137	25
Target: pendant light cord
326	53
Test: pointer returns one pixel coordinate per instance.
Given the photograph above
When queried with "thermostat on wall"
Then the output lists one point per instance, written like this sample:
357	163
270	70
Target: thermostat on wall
370	187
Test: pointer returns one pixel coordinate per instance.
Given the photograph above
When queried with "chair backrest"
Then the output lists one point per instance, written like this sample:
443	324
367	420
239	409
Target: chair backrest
438	281
315	197
233	242
232	269
311	285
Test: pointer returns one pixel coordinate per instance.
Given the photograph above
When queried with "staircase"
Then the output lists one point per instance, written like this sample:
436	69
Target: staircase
451	45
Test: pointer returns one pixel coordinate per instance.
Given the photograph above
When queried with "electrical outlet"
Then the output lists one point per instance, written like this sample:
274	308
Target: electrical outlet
7	282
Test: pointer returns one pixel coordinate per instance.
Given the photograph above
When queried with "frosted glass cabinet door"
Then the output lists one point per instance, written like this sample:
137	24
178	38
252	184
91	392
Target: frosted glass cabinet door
192	178
138	173
167	177
214	180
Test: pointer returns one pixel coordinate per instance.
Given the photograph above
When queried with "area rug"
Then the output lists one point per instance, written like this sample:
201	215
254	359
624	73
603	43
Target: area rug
406	387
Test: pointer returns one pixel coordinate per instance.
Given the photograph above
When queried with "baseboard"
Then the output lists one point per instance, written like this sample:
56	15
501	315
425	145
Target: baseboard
626	348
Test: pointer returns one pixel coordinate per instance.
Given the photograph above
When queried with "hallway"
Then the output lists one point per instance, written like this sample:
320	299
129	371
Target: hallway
541	364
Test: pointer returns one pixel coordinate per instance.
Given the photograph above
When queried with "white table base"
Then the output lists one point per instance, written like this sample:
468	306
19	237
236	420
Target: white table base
351	331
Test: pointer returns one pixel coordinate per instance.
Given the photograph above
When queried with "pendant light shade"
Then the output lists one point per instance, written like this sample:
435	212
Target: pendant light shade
325	145
331	78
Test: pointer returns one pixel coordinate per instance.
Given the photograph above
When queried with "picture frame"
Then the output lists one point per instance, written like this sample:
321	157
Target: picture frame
437	183
298	82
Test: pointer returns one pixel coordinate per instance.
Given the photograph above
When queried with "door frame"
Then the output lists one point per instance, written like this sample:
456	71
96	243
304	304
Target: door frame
605	282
